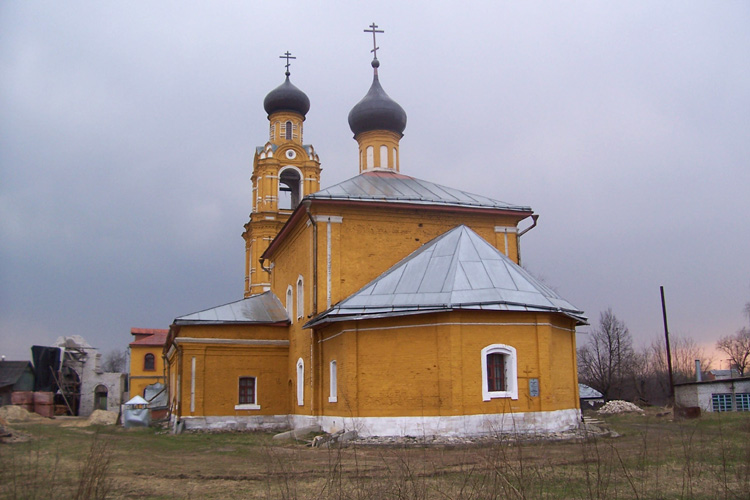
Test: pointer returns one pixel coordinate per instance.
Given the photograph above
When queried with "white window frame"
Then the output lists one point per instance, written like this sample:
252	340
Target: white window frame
333	382
300	382
248	406
290	303
511	372
300	297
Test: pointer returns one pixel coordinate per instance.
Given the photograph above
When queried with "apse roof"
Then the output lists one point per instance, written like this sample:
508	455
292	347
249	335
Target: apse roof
457	270
261	308
392	187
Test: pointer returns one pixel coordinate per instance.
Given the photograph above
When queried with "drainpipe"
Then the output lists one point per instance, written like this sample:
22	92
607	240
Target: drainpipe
534	218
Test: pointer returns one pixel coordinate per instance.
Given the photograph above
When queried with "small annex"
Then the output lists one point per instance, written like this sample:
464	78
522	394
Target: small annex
146	359
385	304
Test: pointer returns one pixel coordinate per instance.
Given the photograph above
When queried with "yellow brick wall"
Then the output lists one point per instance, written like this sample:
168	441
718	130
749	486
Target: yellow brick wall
139	377
218	368
430	365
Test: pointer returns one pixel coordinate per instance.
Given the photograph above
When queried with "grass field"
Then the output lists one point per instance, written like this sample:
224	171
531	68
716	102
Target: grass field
652	458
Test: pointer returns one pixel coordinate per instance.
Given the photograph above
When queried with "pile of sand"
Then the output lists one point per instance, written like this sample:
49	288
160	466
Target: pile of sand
618	406
14	413
102	417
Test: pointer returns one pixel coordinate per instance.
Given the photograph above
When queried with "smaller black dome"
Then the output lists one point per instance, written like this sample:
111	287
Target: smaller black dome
377	111
286	97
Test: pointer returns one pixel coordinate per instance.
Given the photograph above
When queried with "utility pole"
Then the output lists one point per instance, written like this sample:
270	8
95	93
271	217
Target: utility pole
669	352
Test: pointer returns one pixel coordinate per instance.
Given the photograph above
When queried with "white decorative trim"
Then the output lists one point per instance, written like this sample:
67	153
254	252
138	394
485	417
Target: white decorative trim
447	323
192	385
506	229
259	342
247	407
328	264
332	382
328	218
300	382
511	372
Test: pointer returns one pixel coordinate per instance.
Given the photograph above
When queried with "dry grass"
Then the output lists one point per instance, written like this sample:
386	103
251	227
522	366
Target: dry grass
653	458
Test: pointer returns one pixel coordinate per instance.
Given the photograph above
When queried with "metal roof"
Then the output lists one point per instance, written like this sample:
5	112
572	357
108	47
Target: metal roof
586	392
392	187
11	371
262	308
457	270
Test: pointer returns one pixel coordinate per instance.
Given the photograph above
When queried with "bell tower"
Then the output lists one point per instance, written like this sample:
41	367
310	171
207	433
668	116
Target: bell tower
284	171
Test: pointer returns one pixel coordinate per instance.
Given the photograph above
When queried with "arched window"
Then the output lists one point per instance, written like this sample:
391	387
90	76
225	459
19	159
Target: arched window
290	303
333	382
300	298
384	156
370	157
290	188
300	382
499	373
288	130
149	362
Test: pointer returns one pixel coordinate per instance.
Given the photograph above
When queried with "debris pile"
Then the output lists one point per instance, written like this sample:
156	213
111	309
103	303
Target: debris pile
13	413
618	406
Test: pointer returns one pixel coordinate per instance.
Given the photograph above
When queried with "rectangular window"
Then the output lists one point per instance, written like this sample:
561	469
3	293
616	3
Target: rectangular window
247	390
248	394
742	402
721	402
495	372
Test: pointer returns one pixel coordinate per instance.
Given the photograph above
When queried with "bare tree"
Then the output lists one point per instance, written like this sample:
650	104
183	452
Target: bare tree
685	351
606	360
115	361
737	347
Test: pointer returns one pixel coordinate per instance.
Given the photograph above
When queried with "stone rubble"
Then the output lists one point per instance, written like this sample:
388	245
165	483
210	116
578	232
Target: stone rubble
617	406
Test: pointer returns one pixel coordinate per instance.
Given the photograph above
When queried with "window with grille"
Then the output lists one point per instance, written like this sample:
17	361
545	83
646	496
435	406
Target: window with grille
288	131
721	402
149	362
247	391
495	372
499	377
742	402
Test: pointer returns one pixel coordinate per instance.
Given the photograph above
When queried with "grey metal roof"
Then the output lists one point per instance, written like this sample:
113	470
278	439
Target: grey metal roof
392	187
457	270
586	392
262	308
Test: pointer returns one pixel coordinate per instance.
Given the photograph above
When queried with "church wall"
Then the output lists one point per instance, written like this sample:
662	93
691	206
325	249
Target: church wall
371	239
204	375
292	261
430	365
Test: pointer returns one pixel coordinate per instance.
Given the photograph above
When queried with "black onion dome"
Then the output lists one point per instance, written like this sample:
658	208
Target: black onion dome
377	111
286	97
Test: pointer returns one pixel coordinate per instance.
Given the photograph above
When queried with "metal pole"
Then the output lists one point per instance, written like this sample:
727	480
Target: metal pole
669	352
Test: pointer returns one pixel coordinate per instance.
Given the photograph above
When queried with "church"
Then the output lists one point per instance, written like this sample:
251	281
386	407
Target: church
385	304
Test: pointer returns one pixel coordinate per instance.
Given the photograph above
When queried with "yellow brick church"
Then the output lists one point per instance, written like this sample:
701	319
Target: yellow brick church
385	304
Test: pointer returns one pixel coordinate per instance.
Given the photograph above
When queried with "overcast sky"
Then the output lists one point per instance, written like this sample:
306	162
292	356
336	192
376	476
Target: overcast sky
127	132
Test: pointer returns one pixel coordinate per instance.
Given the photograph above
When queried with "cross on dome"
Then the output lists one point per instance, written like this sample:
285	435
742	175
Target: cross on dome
288	55
373	29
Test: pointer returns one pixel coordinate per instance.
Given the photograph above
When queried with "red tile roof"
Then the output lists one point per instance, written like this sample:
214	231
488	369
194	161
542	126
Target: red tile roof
149	336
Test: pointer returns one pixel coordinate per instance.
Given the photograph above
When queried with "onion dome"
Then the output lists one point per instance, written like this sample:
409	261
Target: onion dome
286	97
377	111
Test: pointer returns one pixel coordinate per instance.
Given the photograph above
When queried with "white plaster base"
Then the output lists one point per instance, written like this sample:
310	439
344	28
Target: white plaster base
464	425
237	423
